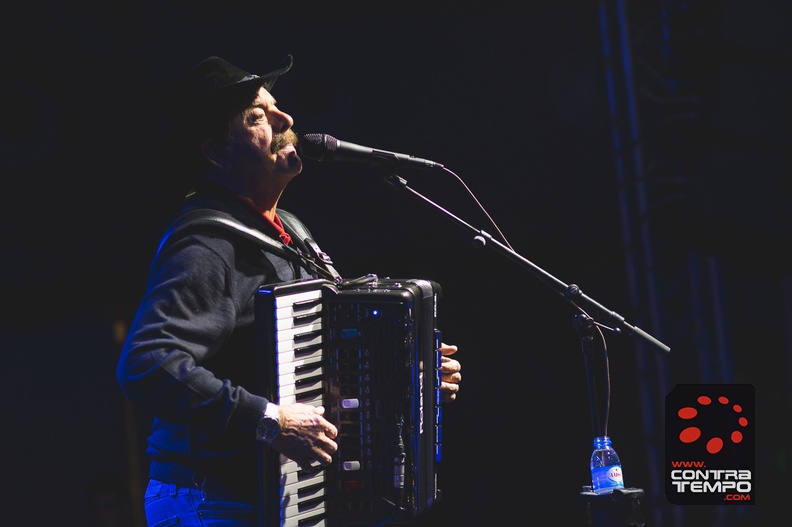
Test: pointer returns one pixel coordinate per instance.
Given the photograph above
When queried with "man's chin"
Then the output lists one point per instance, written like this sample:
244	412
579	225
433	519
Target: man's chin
294	162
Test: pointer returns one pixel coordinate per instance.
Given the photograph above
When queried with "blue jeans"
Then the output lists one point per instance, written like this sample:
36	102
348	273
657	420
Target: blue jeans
169	505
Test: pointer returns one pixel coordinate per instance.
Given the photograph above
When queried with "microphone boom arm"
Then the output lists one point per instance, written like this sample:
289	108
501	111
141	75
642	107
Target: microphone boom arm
571	292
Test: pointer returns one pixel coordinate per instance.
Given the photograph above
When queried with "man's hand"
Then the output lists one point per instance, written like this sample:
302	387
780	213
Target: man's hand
305	437
450	375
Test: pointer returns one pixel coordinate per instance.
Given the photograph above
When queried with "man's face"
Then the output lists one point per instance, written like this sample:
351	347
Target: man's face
264	145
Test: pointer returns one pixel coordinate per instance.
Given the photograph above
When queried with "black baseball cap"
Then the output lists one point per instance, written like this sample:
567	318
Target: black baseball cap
213	76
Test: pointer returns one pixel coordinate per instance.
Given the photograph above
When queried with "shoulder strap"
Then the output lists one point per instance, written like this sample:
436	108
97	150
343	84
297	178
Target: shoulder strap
317	256
203	218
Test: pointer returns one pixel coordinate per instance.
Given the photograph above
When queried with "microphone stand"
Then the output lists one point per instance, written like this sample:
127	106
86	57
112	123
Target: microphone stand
621	507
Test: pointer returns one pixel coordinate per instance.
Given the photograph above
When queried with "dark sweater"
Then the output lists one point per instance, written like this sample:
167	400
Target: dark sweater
190	357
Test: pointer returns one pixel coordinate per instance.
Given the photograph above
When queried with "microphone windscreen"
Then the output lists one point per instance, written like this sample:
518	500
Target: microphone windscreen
320	147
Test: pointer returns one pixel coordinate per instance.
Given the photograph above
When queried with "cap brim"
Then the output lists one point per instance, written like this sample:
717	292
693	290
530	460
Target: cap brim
270	78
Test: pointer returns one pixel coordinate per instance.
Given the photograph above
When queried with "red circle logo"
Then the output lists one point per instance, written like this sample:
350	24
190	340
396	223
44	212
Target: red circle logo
713	442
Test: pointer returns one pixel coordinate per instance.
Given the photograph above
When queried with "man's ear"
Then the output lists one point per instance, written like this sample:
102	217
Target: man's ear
215	153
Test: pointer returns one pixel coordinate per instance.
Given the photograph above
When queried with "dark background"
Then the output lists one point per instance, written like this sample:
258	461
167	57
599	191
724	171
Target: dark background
513	100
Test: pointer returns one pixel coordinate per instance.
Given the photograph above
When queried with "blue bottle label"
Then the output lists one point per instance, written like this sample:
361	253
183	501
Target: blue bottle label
605	478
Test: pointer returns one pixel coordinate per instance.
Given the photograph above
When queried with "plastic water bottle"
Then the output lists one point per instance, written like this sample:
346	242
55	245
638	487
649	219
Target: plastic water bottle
606	470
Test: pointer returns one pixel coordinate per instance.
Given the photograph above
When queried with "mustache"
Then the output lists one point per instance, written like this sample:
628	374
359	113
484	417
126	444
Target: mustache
289	137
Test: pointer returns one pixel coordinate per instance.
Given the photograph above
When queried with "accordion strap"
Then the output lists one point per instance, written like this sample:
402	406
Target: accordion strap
316	261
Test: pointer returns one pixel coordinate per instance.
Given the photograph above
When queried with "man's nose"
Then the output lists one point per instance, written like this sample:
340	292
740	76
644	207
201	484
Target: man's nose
283	120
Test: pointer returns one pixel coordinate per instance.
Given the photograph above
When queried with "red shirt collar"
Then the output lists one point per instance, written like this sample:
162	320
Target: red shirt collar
275	221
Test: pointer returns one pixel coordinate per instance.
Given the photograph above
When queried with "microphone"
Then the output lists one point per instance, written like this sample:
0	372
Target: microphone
323	147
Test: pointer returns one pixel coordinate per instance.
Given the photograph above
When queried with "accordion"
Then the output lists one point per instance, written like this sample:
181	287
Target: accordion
368	352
